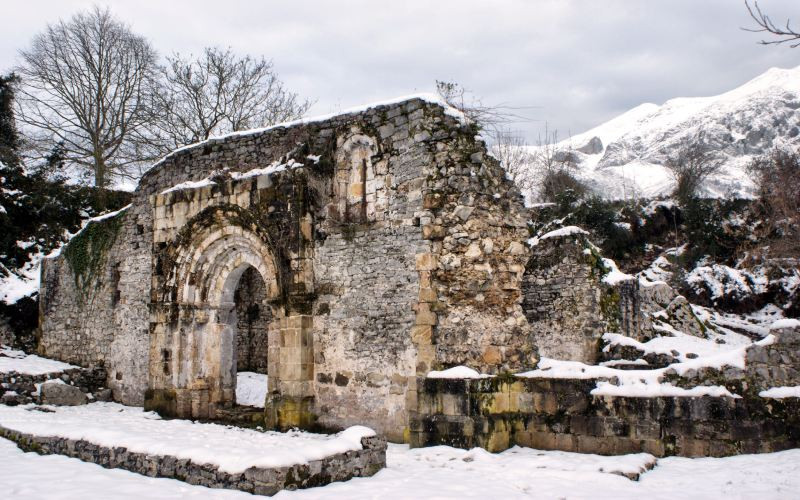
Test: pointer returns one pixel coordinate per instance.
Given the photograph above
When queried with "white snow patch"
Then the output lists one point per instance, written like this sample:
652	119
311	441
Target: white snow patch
457	372
564	231
440	472
190	185
720	280
614	276
272	168
251	389
12	360
662	389
781	392
785	323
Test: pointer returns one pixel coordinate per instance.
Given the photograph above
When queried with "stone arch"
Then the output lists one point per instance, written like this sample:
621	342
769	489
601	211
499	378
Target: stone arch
193	326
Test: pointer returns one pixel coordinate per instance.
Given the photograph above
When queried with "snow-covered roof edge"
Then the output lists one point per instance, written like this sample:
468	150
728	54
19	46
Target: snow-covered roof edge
425	96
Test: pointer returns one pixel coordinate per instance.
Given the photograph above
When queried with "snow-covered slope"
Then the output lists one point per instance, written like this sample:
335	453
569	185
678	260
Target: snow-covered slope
624	156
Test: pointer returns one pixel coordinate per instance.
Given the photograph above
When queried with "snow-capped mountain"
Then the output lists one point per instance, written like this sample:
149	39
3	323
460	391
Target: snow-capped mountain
624	157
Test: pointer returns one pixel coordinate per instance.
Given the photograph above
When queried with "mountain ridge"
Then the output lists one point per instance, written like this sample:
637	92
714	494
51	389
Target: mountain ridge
625	156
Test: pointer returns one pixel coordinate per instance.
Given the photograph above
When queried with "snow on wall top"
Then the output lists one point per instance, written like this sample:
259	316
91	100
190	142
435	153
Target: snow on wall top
427	97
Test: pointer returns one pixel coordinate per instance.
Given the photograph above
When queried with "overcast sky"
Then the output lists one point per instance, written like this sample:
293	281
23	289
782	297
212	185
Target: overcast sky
572	64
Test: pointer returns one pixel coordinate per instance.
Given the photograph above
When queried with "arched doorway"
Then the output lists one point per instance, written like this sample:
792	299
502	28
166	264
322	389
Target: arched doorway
224	303
251	325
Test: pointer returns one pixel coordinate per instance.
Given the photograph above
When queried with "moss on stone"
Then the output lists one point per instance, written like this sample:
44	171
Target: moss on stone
87	251
609	308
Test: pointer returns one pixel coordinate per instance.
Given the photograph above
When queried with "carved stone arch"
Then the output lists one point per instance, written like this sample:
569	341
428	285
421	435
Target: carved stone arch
193	340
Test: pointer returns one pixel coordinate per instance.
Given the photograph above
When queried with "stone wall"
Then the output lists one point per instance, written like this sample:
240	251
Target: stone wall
98	317
21	388
561	414
256	480
565	300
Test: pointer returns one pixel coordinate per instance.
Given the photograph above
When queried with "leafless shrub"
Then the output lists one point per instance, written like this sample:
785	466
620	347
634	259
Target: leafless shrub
494	119
777	177
515	157
693	163
556	169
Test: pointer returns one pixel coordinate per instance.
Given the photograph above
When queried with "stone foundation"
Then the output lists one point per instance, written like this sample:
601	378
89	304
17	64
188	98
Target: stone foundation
561	414
256	480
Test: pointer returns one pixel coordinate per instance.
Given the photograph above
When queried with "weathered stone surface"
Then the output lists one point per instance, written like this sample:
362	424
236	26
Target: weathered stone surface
62	395
561	414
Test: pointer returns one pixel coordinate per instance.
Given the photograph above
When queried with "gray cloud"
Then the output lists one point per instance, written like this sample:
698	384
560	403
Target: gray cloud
574	63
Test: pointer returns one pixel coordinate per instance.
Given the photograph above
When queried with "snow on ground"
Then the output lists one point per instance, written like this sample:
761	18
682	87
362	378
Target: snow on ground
232	449
679	342
727	326
251	389
630	383
440	472
785	323
649	383
24	282
17	361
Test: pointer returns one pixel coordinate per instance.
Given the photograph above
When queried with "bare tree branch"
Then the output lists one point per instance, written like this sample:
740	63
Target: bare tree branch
785	34
494	119
218	93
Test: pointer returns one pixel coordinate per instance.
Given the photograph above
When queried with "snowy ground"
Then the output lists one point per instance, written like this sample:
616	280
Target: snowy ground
438	472
17	361
231	448
251	389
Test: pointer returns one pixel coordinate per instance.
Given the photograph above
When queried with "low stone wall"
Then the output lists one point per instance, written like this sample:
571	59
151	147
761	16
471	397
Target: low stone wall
257	480
20	388
561	414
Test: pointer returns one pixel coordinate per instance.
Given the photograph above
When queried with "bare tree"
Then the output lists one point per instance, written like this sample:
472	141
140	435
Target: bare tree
515	157
690	166
556	169
777	178
82	92
785	34
218	93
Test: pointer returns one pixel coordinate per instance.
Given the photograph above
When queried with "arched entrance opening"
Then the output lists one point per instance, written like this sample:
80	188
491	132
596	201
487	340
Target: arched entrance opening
224	307
250	324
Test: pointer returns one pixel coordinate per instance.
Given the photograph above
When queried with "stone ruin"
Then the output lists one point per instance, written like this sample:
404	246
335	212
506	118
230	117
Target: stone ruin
347	258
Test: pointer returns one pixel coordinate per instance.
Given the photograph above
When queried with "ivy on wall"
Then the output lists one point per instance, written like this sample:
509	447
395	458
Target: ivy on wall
87	251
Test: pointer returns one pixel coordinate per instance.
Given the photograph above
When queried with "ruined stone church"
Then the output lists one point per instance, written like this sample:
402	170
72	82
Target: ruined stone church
344	257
